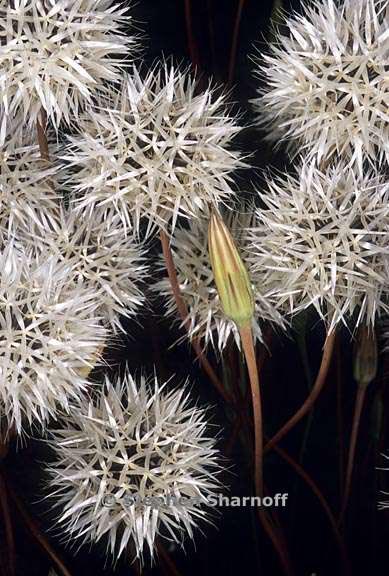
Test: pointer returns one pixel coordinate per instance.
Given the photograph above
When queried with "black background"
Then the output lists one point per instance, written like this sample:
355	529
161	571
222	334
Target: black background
237	543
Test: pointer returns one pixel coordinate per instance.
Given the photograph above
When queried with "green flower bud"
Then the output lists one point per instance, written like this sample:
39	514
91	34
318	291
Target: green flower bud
230	274
365	356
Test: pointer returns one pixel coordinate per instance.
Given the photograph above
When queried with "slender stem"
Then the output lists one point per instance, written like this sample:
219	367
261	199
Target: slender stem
249	352
211	31
359	401
234	435
193	53
281	552
183	312
30	523
137	567
228	369
270	529
311	484
242	401
339	418
4	505
172	568
311	398
307	432
302	344
41	134
323	502
234	46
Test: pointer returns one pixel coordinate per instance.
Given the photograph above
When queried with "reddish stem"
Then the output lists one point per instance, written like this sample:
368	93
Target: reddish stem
183	312
281	552
359	401
339	414
270	530
323	502
249	352
310	483
30	523
172	568
312	397
8	527
211	31
193	52
234	45
234	434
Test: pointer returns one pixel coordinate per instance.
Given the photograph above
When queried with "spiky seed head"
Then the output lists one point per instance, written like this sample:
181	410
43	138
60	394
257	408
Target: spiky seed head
55	54
325	81
159	149
103	258
28	203
229	271
134	443
48	333
321	240
207	319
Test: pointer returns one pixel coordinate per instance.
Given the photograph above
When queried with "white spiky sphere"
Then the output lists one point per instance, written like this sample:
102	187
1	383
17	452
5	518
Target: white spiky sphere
325	81
136	439
48	335
159	149
101	257
207	321
322	240
54	54
28	202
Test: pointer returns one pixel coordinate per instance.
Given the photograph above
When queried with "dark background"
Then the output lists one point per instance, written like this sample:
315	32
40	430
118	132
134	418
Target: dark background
237	543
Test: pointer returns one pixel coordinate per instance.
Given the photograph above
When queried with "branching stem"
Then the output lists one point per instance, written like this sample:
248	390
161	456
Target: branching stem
313	395
183	312
36	533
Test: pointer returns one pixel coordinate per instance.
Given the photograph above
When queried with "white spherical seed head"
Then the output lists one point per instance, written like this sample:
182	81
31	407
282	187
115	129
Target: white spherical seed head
48	334
322	240
159	149
28	202
198	289
326	82
137	440
103	258
55	54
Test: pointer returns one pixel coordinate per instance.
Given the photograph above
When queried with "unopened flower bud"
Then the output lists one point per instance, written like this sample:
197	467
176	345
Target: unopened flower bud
230	274
365	356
